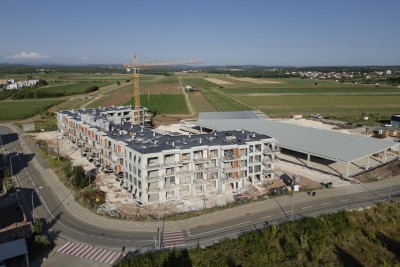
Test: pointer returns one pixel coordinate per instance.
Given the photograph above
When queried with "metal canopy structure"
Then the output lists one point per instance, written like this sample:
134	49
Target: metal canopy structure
325	144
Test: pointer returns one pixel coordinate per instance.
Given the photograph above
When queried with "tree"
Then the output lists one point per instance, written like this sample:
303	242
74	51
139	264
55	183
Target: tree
42	240
118	83
38	226
42	82
79	179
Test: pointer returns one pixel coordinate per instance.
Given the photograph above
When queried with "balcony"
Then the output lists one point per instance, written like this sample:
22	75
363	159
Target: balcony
184	172
269	150
200	159
165	165
154	179
212	169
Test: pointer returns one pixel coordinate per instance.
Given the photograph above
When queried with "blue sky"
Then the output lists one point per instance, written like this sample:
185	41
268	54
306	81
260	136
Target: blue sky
296	33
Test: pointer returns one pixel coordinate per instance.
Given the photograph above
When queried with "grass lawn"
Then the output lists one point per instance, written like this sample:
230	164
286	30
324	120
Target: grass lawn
22	109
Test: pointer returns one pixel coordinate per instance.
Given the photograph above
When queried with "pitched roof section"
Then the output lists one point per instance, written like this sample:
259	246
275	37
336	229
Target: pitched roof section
322	143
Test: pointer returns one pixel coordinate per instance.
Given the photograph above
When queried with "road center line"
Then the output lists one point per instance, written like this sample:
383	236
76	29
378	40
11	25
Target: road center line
221	228
327	203
363	197
266	217
345	199
306	207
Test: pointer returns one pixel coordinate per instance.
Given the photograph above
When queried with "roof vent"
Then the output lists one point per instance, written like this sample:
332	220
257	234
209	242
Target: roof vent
242	131
253	134
190	136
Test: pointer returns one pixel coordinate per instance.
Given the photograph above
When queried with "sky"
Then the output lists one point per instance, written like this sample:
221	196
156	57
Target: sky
218	32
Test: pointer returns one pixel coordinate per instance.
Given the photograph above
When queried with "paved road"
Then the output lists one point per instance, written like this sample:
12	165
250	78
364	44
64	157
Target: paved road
67	219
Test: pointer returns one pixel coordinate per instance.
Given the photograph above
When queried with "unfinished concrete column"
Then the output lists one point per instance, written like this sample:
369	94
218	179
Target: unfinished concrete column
347	169
308	160
367	162
219	185
384	156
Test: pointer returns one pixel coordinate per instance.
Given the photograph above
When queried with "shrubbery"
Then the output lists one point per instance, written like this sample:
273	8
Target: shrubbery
360	238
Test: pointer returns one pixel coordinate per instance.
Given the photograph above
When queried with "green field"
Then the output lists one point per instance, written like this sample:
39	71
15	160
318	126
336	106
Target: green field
163	104
22	109
73	88
294	96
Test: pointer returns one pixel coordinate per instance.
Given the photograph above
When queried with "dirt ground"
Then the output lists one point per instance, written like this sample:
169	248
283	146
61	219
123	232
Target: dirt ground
218	81
254	80
386	171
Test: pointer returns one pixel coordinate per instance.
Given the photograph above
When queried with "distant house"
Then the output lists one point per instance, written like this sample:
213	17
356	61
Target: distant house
28	127
12	86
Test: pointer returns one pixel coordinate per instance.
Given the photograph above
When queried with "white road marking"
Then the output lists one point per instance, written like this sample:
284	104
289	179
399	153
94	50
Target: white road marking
306	207
222	228
327	203
345	199
266	217
286	212
363	197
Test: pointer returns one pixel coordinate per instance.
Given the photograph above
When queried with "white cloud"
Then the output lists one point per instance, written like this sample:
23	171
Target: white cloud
84	58
27	55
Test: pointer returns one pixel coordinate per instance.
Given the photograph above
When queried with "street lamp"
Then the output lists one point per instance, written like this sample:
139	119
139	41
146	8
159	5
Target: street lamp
33	208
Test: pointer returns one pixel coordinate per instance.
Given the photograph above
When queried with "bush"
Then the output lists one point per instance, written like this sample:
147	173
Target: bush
38	226
42	240
92	89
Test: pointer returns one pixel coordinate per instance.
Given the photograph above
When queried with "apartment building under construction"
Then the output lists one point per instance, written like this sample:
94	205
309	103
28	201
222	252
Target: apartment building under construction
156	166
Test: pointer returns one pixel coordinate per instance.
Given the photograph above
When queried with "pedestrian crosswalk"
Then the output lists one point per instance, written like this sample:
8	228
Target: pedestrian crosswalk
90	252
173	239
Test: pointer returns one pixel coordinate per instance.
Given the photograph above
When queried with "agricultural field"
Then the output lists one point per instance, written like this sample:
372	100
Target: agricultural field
11	110
163	103
282	97
72	88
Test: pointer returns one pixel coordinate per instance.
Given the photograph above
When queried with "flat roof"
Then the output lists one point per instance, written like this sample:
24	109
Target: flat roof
326	144
228	115
149	141
12	249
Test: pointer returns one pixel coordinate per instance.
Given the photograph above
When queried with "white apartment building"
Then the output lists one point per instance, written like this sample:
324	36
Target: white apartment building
157	167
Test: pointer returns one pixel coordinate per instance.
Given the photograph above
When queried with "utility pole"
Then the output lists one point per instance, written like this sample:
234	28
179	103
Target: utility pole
292	204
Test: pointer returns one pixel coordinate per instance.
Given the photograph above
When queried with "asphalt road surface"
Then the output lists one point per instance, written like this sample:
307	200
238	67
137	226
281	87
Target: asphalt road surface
52	203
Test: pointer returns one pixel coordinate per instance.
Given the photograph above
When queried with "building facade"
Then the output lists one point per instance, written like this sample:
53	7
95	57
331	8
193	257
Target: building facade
157	167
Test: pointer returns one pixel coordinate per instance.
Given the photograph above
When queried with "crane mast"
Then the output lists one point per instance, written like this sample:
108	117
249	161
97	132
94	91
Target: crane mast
136	90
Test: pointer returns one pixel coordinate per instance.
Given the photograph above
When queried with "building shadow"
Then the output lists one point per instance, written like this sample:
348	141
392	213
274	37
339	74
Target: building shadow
8	138
390	244
346	258
18	161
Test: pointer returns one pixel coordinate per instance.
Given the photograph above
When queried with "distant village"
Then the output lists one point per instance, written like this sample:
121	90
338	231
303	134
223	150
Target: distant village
13	85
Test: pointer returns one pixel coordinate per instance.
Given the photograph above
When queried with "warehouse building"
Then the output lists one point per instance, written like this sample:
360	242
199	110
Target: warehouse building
356	153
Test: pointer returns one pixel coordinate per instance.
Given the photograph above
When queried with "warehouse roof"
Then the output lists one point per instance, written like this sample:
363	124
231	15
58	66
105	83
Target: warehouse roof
322	143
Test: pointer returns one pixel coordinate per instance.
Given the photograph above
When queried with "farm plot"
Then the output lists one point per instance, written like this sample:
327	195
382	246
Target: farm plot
11	110
218	81
73	88
327	105
163	103
254	80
